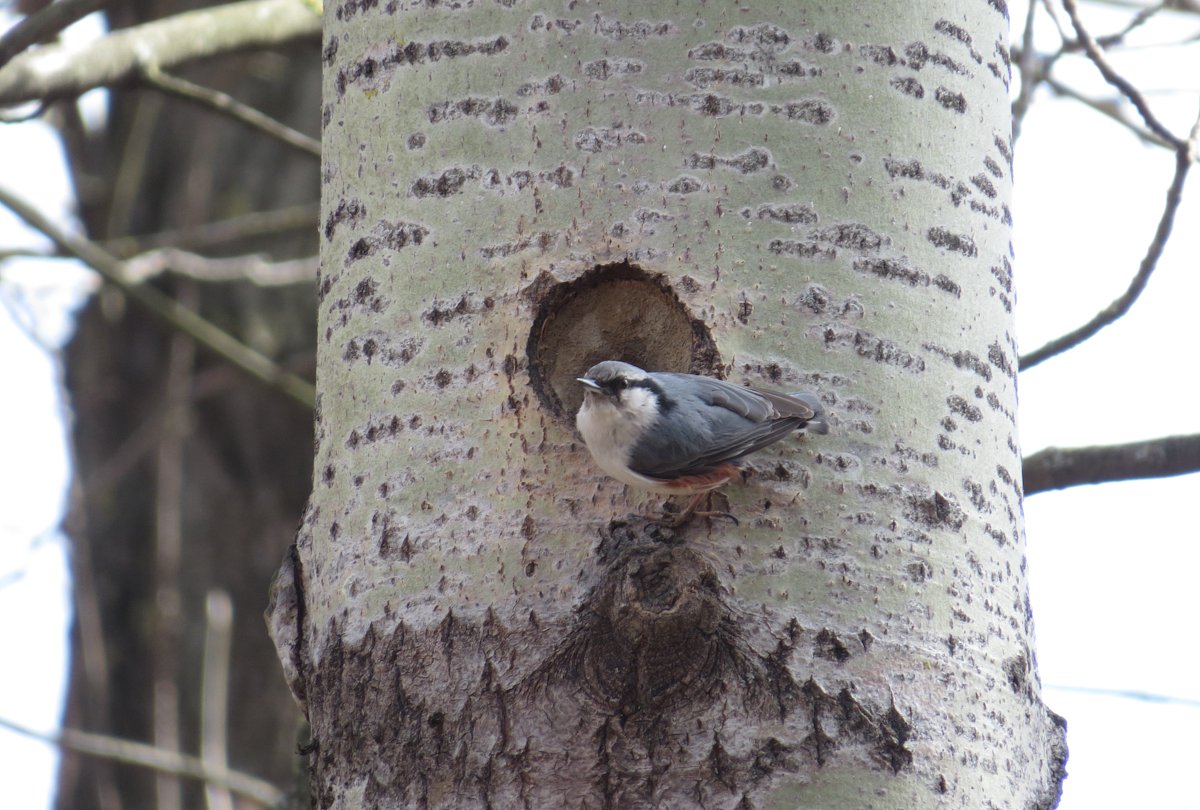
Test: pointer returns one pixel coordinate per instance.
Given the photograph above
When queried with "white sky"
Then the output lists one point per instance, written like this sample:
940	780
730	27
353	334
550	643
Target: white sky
1113	567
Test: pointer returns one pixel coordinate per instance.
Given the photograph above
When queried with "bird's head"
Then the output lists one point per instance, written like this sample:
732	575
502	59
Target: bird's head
625	387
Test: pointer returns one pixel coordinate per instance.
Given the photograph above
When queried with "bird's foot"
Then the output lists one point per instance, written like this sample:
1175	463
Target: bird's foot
675	520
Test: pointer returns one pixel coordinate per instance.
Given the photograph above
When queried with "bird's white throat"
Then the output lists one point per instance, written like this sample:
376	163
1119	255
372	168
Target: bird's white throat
611	431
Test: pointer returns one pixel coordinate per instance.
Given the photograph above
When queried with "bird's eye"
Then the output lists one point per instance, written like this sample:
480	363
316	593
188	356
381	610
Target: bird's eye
620	384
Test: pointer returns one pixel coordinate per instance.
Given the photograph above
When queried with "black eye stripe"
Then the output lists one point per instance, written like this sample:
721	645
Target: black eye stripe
665	403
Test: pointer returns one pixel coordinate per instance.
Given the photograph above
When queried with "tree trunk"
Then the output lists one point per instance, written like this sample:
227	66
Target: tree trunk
472	616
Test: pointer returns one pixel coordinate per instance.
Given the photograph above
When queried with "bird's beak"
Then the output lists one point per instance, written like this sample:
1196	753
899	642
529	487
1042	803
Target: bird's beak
590	384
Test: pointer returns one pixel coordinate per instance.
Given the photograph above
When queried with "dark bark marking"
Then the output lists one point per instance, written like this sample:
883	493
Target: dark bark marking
963	408
877	349
550	86
440	313
389	235
1003	273
494	112
349	211
962	359
908	86
985	185
803	250
542	241
684	184
955	102
880	54
935	511
763	35
827	645
792	214
605	69
705	77
413	53
747	162
445	184
946	284
809	111
851	236
640	30
349	9
604	139
959	243
893	270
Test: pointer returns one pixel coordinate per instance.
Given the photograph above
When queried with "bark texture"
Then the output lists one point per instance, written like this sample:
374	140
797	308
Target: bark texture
795	197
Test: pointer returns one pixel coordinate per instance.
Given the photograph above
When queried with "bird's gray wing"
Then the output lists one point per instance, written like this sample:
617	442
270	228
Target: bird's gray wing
732	421
742	401
754	404
735	446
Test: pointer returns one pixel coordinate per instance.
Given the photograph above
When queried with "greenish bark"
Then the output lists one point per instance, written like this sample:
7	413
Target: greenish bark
802	196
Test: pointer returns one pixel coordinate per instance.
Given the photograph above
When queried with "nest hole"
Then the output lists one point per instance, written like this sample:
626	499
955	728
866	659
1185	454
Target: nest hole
612	312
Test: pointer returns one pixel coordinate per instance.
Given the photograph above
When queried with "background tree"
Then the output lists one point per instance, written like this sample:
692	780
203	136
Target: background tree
190	475
179	449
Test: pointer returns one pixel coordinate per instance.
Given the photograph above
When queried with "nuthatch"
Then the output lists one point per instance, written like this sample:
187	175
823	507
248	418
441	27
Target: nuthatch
681	433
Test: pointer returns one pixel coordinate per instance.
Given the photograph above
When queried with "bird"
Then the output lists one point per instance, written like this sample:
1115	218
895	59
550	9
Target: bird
675	434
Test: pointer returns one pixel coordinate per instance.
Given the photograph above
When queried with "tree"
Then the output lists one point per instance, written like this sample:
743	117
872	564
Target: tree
807	200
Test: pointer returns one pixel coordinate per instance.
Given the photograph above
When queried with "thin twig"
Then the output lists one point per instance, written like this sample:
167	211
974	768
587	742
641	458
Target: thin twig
167	621
1183	161
164	307
1056	17
147	756
1028	65
213	234
1185	154
214	692
1116	80
1108	109
1059	468
1139	19
1128	694
230	106
95	687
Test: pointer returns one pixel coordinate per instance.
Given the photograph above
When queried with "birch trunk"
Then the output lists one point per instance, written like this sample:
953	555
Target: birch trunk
797	196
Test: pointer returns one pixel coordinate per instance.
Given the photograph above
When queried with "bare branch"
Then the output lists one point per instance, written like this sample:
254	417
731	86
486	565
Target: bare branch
1031	72
164	307
44	25
1059	468
58	71
1138	20
228	105
214	691
1183	162
254	269
1127	694
1116	80
1182	6
212	234
1109	109
147	756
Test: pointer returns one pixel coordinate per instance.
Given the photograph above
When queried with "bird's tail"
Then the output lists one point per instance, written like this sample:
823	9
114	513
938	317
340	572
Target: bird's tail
818	424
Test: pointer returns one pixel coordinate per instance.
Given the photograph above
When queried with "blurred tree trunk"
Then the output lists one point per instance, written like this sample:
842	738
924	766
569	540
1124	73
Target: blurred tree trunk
797	196
189	476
